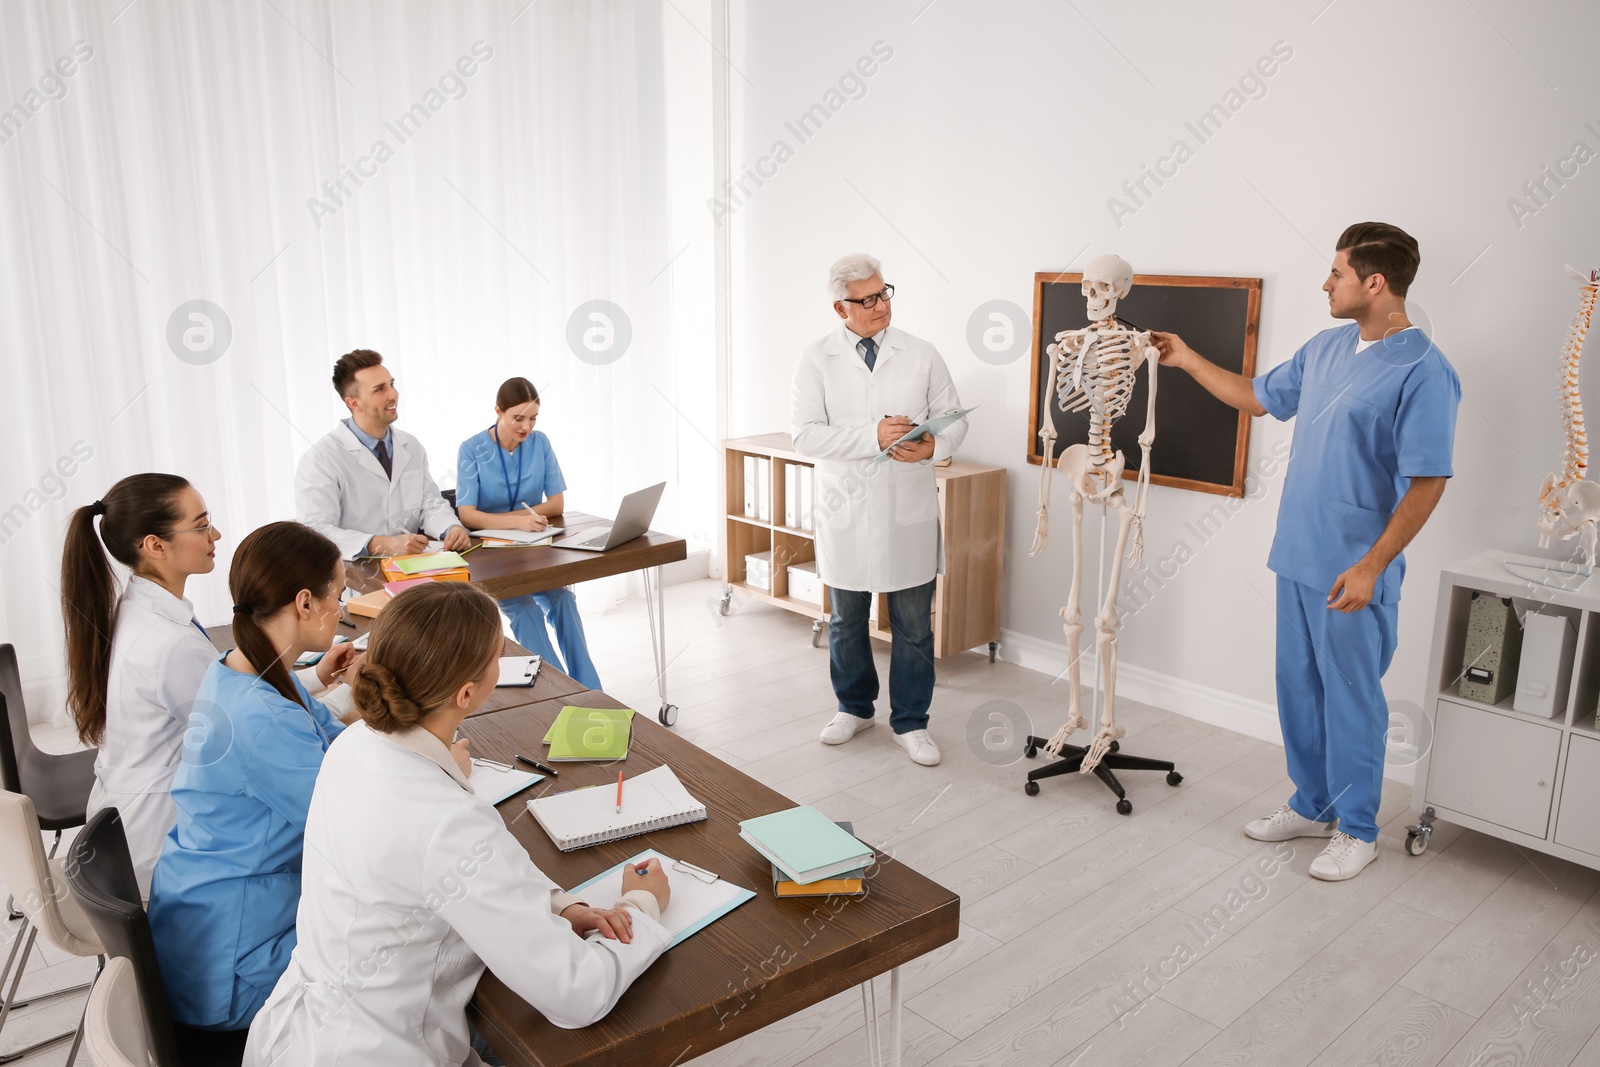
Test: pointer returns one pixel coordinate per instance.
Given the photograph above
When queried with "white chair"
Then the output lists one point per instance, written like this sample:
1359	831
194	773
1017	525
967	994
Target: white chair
113	1020
39	886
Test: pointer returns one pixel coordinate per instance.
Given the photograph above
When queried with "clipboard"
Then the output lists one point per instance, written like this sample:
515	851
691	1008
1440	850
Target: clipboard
936	425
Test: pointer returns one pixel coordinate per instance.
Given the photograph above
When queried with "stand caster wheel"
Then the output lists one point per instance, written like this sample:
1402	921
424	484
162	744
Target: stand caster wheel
1124	806
1417	843
1032	789
1030	751
668	715
1173	777
1115	746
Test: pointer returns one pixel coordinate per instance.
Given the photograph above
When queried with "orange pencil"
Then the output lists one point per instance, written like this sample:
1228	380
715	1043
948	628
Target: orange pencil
619	792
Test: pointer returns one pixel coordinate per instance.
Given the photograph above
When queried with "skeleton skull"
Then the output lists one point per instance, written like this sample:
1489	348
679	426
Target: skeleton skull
1106	280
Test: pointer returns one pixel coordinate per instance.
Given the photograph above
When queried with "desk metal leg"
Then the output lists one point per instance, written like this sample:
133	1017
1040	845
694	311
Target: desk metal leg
655	607
869	1008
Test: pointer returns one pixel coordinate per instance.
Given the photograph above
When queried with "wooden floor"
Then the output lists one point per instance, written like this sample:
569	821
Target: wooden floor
1094	939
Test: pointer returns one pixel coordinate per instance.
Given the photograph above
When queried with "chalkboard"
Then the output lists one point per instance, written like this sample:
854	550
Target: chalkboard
1200	441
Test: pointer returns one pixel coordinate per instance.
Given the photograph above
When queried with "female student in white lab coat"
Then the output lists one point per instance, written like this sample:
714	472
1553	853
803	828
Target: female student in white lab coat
413	884
134	663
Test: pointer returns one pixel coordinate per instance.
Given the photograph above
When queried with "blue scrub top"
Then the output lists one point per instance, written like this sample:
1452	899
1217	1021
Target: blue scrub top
1369	422
486	474
227	885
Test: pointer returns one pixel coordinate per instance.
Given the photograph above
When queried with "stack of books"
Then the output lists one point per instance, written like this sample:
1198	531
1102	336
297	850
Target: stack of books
810	855
440	566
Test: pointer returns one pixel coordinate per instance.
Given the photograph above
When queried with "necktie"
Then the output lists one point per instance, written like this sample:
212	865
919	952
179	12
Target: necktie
383	459
202	629
870	352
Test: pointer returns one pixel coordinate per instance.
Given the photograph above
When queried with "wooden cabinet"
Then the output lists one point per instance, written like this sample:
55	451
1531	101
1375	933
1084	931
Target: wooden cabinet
972	515
1529	778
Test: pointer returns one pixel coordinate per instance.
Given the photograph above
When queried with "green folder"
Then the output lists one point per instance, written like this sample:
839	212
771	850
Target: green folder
436	561
590	734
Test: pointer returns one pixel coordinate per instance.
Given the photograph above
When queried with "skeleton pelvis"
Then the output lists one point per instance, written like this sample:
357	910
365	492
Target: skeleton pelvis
1095	483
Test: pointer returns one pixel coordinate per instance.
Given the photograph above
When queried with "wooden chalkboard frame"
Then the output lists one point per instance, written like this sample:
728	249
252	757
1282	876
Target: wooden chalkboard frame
1040	367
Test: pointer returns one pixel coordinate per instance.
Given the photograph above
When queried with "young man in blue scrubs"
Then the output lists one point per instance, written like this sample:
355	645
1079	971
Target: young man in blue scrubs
1372	450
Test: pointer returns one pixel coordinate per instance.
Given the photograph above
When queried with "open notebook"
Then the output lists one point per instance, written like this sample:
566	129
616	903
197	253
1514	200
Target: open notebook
693	905
653	800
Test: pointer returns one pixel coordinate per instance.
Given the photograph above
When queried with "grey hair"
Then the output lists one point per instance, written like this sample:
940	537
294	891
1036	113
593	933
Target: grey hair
851	268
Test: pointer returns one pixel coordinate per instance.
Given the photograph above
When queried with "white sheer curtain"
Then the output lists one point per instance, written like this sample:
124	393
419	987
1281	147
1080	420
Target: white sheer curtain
445	183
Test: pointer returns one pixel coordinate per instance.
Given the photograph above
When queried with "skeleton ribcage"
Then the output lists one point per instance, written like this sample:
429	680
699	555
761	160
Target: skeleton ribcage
1100	379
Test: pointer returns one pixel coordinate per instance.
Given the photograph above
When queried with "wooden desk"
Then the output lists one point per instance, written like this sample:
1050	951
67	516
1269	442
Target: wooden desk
765	961
550	685
509	572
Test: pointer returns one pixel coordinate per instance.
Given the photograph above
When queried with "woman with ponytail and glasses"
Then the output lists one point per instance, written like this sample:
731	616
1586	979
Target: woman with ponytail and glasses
134	662
419	885
507	478
223	901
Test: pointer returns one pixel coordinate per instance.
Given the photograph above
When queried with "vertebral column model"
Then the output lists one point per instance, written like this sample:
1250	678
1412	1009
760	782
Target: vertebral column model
1569	504
1093	370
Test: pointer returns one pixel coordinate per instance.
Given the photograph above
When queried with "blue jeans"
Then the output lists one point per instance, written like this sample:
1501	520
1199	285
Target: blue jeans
1331	705
855	676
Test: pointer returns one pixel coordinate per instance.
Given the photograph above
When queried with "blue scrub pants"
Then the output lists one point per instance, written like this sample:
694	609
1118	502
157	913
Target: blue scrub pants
1331	705
528	614
850	663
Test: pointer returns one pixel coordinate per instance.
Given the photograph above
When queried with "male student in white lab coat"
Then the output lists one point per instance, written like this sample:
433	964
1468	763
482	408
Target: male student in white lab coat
857	391
366	485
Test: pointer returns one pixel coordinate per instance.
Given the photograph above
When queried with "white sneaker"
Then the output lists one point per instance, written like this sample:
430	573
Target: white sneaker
1345	857
920	746
1286	824
843	727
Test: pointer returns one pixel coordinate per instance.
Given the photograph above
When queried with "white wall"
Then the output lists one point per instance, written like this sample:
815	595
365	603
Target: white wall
986	149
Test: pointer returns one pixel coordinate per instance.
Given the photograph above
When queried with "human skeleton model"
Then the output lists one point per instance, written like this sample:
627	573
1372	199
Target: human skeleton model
1093	370
1569	504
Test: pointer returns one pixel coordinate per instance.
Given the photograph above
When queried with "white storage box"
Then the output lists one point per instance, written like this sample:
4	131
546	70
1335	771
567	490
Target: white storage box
758	570
804	583
1545	666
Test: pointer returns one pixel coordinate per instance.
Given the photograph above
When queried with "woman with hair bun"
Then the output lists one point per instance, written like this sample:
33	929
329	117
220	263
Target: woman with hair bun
507	478
135	661
414	883
223	900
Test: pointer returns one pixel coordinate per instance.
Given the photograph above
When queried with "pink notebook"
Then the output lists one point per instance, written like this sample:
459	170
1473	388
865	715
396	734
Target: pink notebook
394	589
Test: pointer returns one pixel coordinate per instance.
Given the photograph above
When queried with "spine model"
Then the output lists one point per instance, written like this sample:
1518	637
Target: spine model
1567	502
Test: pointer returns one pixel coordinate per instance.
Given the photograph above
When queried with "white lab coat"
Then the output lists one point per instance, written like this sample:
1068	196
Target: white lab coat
877	524
340	491
158	659
411	885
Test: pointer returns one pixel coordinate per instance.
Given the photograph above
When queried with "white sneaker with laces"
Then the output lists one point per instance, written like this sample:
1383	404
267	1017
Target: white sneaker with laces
843	727
1285	824
1345	857
920	746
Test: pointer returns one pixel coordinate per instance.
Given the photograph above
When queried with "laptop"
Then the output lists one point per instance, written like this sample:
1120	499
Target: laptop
633	519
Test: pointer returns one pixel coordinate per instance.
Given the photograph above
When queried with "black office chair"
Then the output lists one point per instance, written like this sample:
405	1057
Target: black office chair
100	872
58	784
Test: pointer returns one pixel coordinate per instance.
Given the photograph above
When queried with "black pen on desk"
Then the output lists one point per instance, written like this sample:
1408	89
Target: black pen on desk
536	765
346	622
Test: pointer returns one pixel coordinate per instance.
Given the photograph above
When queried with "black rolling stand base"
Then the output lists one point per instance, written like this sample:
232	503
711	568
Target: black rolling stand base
1071	760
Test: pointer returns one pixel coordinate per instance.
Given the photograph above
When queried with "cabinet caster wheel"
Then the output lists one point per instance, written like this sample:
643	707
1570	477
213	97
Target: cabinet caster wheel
1030	751
1124	806
668	715
1032	789
994	646
727	599
1173	777
816	633
1417	844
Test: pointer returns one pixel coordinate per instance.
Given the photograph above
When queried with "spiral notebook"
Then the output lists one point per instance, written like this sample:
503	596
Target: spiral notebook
653	800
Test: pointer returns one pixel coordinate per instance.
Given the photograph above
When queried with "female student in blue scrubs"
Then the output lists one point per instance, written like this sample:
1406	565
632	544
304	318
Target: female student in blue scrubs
507	478
222	904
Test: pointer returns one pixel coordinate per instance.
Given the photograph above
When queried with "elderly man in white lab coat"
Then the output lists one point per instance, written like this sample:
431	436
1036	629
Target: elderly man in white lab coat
366	486
857	391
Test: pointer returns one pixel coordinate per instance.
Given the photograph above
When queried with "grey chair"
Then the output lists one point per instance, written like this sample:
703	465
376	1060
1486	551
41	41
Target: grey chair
100	872
58	784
